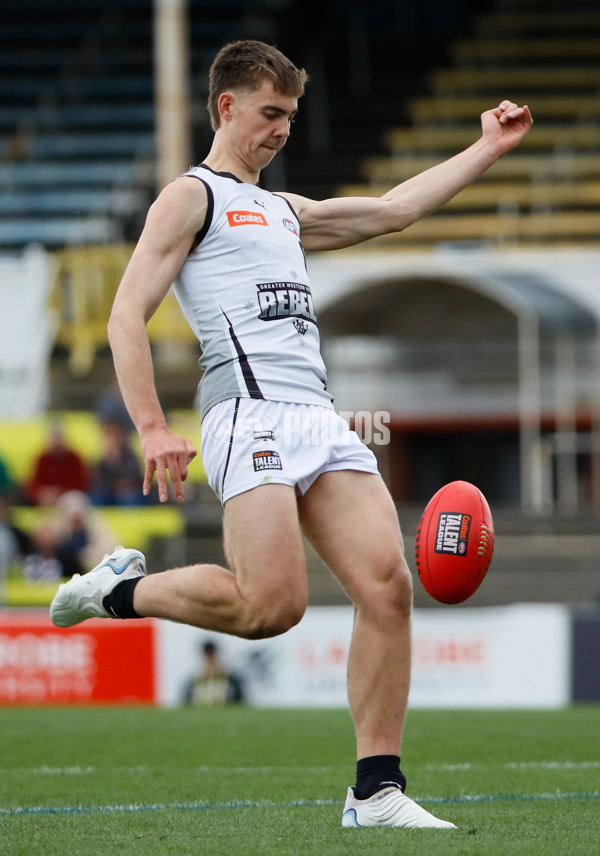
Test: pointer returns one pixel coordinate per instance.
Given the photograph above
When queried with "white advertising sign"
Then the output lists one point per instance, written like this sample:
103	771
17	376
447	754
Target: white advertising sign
510	656
305	667
513	656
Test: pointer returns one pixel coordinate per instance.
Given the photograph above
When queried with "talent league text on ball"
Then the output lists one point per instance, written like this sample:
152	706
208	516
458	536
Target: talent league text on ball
453	533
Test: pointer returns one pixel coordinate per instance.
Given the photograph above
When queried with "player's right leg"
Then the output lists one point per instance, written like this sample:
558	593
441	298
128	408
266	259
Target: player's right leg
351	521
264	592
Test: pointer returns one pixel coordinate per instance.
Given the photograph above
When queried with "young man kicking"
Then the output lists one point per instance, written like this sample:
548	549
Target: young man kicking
275	452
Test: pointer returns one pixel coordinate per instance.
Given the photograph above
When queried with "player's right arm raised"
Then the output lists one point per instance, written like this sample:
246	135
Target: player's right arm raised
171	226
331	224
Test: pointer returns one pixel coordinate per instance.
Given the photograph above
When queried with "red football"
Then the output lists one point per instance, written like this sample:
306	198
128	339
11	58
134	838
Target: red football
454	542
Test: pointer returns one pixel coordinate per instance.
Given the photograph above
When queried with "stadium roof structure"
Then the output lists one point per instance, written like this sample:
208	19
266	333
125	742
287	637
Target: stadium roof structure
556	311
443	296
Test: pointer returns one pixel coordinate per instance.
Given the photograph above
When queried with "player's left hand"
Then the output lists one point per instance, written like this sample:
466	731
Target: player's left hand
506	124
168	455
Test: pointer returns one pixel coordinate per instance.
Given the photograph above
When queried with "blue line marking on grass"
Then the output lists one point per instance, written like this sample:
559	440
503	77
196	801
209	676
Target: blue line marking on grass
237	804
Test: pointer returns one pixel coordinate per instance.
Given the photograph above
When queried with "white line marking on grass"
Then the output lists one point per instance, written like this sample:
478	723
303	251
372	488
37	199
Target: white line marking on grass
437	768
481	798
554	765
517	765
63	771
237	804
448	768
70	771
86	771
115	809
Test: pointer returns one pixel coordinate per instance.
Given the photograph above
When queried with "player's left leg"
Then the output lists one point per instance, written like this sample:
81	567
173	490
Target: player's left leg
350	519
262	593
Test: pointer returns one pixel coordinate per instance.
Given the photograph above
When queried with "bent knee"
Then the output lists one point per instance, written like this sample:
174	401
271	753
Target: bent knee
390	591
402	587
267	620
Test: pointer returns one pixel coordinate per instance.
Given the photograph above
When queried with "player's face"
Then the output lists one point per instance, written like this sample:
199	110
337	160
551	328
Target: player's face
260	124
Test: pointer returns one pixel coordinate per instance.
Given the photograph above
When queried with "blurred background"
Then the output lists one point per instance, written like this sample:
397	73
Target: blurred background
476	329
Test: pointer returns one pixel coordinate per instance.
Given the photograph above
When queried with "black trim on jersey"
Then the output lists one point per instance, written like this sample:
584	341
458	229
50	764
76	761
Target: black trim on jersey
247	373
210	209
291	207
222	174
303	255
235	415
289	204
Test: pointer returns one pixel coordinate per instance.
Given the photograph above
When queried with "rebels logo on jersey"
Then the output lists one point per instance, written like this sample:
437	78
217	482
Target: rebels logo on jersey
285	300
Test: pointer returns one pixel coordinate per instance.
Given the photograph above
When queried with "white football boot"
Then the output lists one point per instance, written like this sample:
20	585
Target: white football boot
389	807
82	596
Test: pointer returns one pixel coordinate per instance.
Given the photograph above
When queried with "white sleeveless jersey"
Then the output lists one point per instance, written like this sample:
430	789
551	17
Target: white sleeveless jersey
245	292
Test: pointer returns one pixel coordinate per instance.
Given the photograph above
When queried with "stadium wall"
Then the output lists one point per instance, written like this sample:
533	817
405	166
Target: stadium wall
518	656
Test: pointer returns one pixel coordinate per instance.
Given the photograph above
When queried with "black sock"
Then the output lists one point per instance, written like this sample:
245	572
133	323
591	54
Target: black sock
119	602
376	772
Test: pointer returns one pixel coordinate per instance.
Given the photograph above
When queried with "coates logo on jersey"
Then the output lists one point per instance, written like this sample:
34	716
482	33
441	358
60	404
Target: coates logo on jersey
246	218
290	226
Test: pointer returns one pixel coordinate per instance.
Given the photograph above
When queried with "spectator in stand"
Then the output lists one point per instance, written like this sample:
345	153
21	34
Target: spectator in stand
110	407
65	540
15	543
57	469
51	559
117	477
8	488
82	529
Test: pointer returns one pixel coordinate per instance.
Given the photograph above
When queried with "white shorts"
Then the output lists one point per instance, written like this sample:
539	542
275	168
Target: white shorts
247	443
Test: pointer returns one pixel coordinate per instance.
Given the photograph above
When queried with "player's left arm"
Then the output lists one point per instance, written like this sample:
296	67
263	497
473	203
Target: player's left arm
341	222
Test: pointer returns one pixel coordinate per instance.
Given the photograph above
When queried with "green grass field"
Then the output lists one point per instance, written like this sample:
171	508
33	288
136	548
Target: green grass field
249	781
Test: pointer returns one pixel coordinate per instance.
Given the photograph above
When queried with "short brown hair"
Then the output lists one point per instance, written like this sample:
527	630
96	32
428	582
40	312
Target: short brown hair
244	65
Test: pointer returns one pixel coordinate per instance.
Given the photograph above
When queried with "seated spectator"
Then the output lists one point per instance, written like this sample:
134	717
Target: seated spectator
110	407
15	543
82	531
117	478
57	469
67	539
7	486
51	560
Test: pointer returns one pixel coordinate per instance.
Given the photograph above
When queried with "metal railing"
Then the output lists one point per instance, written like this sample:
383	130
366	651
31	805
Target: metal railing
82	294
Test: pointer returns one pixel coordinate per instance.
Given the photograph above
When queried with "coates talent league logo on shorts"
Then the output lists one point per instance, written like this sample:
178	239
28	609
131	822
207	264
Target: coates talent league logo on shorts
268	460
453	533
246	218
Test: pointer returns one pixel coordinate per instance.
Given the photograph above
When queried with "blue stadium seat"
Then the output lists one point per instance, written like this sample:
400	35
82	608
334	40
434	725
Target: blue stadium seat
77	111
92	145
38	203
64	174
128	115
57	232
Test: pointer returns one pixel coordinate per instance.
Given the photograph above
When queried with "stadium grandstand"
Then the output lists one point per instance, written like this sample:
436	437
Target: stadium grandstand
476	329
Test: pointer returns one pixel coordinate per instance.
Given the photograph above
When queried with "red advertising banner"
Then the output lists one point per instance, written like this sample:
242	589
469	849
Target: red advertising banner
94	662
